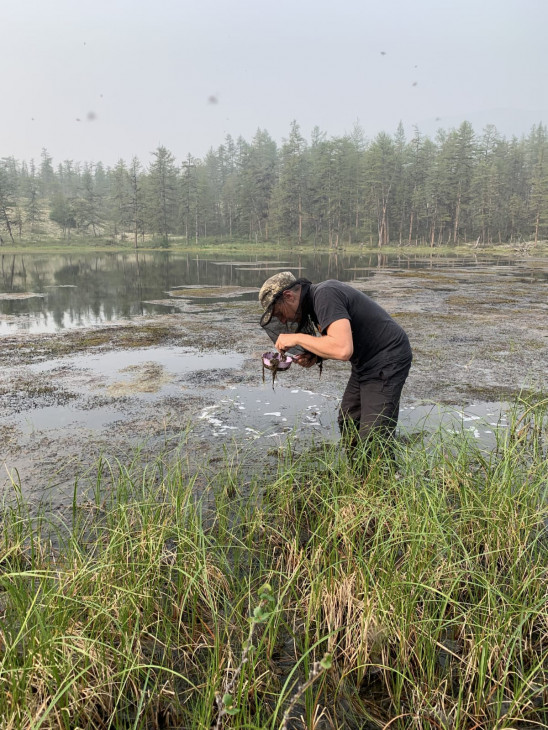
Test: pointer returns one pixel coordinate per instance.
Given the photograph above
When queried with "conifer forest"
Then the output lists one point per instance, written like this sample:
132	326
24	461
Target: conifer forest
461	186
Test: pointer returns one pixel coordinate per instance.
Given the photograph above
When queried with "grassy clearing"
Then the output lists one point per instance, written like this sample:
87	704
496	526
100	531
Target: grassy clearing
152	608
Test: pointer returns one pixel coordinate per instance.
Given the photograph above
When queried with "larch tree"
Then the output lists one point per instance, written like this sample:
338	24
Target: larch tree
258	176
290	190
137	200
381	169
539	180
8	196
162	195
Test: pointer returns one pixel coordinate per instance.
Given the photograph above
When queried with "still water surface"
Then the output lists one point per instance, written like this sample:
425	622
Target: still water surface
48	293
51	293
256	412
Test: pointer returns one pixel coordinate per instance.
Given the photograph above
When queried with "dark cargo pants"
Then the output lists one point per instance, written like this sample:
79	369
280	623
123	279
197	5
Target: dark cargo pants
369	409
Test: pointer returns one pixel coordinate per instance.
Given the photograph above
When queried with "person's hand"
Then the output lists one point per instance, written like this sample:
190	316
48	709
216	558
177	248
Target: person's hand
306	360
284	342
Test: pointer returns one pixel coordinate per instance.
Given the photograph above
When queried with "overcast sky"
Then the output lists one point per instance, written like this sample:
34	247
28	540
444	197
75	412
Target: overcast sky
102	80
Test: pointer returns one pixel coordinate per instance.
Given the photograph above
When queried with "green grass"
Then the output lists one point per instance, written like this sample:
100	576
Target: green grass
81	243
427	587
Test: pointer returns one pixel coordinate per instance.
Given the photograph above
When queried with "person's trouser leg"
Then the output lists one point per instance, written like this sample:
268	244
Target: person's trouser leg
369	410
350	414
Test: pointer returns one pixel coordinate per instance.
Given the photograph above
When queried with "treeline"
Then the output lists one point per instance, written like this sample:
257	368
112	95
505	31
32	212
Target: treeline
459	187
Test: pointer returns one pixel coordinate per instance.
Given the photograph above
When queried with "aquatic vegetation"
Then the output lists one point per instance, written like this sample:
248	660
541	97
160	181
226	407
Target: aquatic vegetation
157	604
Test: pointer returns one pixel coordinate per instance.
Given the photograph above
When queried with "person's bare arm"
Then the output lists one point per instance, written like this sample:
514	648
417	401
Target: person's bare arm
336	344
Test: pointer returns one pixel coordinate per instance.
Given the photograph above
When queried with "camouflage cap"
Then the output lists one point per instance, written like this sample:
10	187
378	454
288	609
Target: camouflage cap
274	286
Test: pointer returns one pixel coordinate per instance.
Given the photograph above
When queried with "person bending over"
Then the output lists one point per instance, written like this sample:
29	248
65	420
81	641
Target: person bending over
353	327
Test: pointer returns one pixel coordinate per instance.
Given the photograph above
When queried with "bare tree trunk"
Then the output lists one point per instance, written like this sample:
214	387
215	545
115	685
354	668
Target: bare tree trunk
411	227
382	226
457	216
7	222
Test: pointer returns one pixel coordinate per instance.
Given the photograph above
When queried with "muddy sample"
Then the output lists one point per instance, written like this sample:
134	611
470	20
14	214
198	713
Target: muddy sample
275	361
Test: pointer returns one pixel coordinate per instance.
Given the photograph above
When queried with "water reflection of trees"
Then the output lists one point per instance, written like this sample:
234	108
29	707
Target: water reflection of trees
83	289
13	272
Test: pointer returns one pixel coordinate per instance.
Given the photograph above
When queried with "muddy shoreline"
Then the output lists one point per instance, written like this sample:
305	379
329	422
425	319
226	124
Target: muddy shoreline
477	335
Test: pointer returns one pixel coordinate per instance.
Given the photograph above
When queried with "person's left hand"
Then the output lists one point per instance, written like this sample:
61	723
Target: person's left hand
306	360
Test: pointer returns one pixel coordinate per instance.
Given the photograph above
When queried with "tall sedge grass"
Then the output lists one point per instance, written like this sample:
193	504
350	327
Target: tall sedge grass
156	604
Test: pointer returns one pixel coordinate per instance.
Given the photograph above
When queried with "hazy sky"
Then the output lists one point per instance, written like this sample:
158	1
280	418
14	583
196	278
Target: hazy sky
101	80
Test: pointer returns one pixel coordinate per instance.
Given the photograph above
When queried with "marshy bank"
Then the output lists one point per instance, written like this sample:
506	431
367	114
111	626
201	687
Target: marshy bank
427	589
153	486
117	351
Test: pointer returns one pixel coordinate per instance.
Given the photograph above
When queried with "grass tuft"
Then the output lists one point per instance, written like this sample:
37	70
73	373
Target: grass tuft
323	595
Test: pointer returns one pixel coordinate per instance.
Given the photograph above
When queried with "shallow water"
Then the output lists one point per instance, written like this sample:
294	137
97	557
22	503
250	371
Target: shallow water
261	414
247	412
147	374
49	293
115	363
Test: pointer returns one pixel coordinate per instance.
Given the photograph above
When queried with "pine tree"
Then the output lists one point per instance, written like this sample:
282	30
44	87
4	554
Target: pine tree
62	212
421	159
188	196
486	186
47	175
136	199
212	194
88	206
119	199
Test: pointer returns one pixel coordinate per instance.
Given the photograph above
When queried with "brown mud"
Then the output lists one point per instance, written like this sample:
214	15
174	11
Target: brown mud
477	335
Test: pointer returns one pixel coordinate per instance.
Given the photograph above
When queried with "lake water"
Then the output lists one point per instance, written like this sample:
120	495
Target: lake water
476	324
257	413
48	293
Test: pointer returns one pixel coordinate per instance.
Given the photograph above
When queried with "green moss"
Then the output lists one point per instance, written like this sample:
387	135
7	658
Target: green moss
439	278
195	292
458	300
125	337
406	315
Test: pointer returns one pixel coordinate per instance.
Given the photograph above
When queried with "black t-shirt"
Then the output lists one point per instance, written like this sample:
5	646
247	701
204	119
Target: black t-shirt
379	341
